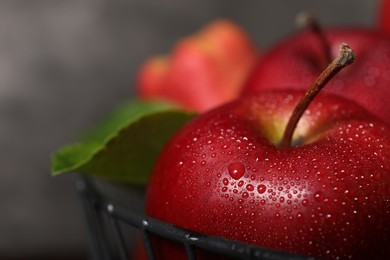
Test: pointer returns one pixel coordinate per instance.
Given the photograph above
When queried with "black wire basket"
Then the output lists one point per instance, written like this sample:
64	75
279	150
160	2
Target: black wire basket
106	219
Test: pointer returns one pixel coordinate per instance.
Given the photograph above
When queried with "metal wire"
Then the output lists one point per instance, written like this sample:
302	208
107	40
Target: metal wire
97	208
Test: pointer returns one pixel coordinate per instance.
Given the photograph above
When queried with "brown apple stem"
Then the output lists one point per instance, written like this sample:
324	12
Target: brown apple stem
309	20
346	57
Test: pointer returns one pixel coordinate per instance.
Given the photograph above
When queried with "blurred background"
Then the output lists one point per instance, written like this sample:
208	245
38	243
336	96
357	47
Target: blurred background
65	63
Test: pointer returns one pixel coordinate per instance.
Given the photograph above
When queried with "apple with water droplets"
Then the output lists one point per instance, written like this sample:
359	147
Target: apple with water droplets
312	179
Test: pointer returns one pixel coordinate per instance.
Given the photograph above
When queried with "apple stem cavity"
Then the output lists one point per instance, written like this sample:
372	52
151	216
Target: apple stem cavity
346	56
308	20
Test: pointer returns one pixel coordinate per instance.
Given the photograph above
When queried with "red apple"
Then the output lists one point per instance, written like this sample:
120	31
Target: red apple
296	61
226	174
384	16
204	70
152	77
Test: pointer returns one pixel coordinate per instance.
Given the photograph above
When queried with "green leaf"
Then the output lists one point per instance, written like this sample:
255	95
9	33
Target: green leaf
125	146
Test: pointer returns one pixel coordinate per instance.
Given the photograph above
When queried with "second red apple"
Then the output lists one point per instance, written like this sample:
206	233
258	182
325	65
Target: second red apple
296	61
384	16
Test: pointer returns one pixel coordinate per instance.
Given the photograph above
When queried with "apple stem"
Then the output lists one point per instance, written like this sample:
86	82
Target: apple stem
309	20
346	56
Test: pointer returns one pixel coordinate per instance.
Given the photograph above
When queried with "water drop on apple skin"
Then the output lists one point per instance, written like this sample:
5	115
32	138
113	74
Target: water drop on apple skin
261	188
225	181
305	202
236	170
318	196
250	187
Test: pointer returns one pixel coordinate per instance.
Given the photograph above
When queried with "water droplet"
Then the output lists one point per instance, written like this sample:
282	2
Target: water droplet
250	187
225	146
245	195
236	170
240	183
224	189
261	188
319	196
225	181
305	202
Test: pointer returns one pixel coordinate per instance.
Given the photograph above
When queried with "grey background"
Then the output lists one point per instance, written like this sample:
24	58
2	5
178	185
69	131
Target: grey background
65	63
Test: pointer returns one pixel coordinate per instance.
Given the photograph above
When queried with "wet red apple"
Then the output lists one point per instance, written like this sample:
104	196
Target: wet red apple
243	171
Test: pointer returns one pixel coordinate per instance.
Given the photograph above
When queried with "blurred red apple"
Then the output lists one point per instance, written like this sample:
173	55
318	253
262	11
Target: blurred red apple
204	70
384	16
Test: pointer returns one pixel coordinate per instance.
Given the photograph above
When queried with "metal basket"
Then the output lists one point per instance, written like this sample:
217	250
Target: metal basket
106	241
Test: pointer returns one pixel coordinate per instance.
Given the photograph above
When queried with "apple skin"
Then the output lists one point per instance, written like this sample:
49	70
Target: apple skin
296	61
329	197
384	16
203	71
